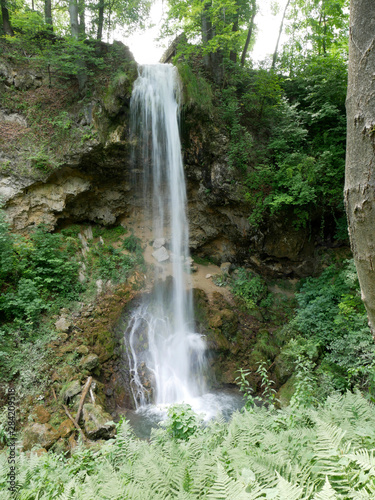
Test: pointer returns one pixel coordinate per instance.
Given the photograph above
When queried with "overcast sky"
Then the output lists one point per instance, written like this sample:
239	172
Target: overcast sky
147	51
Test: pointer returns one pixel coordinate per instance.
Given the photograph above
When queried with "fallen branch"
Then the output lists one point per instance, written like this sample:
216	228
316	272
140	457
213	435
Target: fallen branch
75	424
82	400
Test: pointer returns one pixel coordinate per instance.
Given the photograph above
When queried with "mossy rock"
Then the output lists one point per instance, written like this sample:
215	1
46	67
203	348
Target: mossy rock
43	435
286	391
89	362
98	423
70	390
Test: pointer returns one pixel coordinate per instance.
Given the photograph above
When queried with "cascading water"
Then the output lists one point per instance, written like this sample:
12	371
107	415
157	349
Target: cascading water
160	335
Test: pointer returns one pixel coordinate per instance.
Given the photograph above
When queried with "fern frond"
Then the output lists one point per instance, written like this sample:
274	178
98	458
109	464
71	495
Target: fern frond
327	492
365	459
225	487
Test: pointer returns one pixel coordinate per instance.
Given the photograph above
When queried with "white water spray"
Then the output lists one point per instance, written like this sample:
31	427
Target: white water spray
160	338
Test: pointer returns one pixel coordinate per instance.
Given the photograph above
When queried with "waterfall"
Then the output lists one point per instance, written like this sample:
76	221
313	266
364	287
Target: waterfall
166	357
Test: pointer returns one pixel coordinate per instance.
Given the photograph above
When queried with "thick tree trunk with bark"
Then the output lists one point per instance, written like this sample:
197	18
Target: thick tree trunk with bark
82	20
48	12
73	15
7	27
360	156
99	33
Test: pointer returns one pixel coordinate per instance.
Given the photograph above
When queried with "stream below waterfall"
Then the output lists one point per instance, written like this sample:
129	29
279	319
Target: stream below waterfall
166	356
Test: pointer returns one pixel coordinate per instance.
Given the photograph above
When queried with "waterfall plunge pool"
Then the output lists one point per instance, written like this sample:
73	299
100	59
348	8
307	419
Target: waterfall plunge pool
222	402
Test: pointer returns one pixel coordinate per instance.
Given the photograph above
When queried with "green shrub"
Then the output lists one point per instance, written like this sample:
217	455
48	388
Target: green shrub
330	326
252	289
182	422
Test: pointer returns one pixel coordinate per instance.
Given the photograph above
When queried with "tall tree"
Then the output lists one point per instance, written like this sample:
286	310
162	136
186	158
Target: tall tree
360	159
274	57
249	31
73	15
7	27
48	12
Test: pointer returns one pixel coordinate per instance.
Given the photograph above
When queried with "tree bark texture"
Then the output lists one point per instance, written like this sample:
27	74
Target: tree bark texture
99	34
360	154
7	27
73	15
48	12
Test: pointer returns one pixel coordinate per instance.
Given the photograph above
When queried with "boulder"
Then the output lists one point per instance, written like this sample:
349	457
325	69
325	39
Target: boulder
39	434
41	415
158	243
89	362
225	268
66	428
161	254
97	423
70	390
63	324
83	350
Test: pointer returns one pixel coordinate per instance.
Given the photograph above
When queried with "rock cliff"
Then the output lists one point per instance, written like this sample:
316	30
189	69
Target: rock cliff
66	158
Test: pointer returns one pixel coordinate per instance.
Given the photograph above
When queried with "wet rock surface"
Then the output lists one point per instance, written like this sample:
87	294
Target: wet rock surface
97	422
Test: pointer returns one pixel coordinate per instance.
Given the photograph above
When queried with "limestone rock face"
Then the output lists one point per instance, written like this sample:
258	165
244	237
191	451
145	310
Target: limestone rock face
39	434
97	422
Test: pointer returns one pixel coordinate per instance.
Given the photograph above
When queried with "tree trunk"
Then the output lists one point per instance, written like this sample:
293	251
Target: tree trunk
73	14
99	34
48	12
248	38
82	23
274	58
7	27
360	154
249	32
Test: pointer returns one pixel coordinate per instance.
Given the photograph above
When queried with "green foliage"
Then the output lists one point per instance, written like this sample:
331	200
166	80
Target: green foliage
182	422
268	394
109	263
109	234
251	288
197	91
133	244
298	453
331	325
37	273
244	386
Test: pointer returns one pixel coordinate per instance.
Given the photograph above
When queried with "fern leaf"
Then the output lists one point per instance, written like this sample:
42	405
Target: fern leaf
327	492
226	488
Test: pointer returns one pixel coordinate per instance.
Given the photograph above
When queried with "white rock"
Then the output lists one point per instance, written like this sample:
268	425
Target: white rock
88	233
83	240
161	254
63	324
158	243
208	276
99	286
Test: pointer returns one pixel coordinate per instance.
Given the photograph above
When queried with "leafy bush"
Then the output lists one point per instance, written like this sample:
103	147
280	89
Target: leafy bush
251	288
109	263
330	325
182	422
133	244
